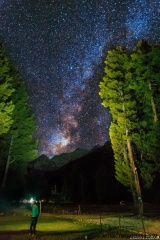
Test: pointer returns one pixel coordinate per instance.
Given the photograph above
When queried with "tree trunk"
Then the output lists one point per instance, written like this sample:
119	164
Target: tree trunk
137	196
7	165
153	105
134	195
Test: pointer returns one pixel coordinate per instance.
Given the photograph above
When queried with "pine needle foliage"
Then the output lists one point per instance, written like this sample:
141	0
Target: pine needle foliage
130	89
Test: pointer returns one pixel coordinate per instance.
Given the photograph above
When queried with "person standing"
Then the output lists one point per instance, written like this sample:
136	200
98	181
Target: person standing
34	218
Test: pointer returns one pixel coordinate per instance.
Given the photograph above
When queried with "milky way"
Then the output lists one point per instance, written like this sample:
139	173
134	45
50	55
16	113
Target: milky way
59	47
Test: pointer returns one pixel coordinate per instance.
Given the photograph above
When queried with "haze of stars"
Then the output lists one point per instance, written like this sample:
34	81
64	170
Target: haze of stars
59	47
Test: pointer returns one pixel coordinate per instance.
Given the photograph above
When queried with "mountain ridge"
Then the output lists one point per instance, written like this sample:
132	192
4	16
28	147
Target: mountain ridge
43	163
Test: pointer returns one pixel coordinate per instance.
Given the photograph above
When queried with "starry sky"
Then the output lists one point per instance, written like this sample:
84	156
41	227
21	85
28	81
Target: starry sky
59	47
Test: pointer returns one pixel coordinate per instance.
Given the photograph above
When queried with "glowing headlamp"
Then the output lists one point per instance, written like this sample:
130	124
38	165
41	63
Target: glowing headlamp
32	200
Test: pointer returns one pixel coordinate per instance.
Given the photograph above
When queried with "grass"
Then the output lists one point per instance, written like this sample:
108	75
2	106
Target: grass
69	227
49	224
48	228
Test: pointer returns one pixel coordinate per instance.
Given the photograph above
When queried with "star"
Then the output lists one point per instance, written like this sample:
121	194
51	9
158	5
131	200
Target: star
59	48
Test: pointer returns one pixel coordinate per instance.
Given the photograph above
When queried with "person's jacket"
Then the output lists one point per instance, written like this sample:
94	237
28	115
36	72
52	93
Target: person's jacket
35	211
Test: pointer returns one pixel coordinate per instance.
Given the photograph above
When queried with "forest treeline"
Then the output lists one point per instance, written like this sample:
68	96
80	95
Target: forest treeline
87	179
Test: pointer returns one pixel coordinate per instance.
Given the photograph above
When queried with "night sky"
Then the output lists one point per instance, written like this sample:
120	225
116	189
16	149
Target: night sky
59	47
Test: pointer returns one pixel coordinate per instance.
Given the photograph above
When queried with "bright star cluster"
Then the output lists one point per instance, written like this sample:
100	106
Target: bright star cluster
59	47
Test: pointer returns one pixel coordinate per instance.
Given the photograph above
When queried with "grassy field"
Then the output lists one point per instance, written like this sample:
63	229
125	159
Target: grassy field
47	224
17	228
75	227
65	224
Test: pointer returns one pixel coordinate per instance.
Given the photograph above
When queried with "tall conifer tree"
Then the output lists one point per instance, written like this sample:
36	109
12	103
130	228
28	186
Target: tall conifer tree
131	90
6	91
21	145
116	95
145	69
